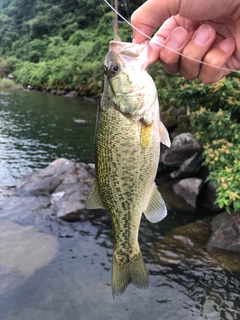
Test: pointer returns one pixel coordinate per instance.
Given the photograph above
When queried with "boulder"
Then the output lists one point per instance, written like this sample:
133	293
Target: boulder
61	92
64	186
45	181
226	231
71	94
169	118
189	167
183	147
189	189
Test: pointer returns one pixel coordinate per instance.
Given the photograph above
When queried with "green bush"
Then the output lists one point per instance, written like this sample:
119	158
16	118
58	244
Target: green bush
7	83
220	137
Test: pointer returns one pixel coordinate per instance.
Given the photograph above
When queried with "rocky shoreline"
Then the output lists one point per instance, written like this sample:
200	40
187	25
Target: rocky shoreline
60	191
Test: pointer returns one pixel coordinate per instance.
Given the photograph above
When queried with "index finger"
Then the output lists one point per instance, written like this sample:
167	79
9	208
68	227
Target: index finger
151	15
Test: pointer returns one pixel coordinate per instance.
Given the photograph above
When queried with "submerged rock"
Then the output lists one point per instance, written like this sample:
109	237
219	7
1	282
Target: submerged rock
186	245
23	250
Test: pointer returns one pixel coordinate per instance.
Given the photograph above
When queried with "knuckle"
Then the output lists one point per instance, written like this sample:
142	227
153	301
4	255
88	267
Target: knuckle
168	58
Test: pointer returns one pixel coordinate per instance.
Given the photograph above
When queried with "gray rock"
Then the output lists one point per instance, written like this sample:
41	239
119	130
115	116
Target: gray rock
173	111
183	147
226	231
188	167
189	189
61	92
71	94
45	181
64	186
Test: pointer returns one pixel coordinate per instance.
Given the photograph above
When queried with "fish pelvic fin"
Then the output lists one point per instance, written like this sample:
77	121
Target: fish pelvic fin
123	274
94	200
155	209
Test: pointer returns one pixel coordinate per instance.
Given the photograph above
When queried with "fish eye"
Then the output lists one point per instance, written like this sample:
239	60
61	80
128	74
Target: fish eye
113	69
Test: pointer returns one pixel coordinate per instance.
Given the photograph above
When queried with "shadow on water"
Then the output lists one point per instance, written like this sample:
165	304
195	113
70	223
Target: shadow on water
50	269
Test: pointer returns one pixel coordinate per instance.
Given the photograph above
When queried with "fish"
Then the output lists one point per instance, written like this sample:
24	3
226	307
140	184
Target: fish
127	150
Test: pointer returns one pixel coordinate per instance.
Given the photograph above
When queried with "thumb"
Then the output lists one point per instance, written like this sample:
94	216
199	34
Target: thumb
150	15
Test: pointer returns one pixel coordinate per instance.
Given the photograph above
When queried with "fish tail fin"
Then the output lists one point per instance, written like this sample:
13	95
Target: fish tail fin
133	272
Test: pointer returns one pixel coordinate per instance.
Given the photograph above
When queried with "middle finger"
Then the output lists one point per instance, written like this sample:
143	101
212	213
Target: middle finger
195	50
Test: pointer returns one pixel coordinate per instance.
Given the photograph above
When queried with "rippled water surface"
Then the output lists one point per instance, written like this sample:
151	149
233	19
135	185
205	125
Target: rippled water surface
37	128
50	269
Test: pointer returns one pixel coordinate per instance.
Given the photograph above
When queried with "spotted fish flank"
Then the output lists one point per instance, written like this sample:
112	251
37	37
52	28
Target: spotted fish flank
127	148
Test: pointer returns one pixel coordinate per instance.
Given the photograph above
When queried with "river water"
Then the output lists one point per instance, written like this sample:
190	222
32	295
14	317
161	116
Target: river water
50	269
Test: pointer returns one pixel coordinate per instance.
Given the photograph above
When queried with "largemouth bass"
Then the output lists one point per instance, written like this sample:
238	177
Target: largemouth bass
127	149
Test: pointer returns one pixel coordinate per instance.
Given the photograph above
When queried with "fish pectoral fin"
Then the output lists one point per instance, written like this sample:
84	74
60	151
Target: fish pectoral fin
94	200
164	136
155	209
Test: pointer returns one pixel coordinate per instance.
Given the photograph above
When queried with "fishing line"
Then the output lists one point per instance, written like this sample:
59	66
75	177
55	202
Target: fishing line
106	13
172	50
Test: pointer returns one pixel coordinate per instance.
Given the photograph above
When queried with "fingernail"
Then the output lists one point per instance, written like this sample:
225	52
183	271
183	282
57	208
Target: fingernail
177	38
202	35
227	45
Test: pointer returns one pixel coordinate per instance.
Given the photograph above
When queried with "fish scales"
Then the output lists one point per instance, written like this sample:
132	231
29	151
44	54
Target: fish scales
127	149
125	172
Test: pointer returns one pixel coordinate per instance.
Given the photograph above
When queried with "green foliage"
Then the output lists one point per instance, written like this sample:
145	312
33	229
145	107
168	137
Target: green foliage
176	91
220	137
58	43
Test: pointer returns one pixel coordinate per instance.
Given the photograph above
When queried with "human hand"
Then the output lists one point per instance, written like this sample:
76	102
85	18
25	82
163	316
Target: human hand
203	30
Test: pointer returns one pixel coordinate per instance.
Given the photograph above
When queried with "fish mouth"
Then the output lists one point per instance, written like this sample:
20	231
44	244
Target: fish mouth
128	51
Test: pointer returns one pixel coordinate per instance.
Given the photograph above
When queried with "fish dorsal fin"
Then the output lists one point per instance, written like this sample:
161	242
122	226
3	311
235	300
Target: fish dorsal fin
155	209
94	200
164	136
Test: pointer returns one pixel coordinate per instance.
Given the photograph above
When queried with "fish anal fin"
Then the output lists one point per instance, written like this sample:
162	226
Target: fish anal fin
94	200
164	136
133	272
146	133
155	210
